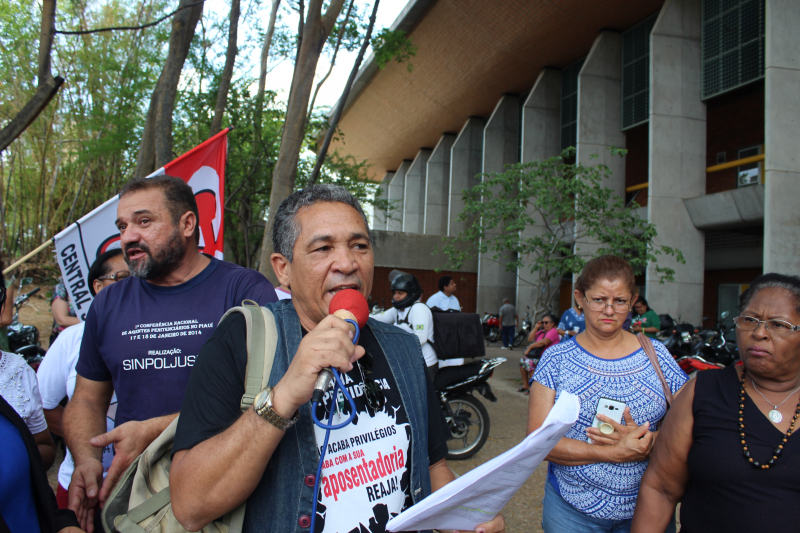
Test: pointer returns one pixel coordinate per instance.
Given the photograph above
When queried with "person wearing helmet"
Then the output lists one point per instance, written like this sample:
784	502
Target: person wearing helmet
410	314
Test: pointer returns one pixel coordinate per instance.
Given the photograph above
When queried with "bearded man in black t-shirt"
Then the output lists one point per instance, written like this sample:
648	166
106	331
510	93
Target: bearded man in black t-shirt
387	459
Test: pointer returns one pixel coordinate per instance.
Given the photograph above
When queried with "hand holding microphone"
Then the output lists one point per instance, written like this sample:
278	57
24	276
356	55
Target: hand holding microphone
351	306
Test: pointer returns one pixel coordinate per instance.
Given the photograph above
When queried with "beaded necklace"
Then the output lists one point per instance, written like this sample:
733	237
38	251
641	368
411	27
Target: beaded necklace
779	449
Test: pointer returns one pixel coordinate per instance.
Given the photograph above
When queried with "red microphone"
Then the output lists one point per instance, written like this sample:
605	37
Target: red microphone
350	304
347	304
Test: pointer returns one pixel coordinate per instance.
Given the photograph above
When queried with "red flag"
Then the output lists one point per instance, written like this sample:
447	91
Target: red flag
203	168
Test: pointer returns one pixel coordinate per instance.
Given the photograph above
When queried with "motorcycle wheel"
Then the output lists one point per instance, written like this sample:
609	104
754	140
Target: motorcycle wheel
519	338
469	427
494	334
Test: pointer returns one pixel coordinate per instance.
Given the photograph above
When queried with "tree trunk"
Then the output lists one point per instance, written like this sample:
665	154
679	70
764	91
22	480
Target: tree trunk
316	29
155	149
262	78
227	72
46	34
339	37
323	151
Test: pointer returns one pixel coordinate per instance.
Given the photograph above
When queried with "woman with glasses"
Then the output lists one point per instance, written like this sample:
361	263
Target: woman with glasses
544	334
595	469
728	452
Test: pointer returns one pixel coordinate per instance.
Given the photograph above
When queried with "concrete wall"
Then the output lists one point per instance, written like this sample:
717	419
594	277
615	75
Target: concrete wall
414	197
466	157
677	155
541	130
600	108
396	249
500	146
379	215
781	132
600	116
437	187
397	190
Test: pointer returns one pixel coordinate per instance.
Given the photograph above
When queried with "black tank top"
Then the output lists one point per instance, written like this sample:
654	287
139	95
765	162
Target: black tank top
725	492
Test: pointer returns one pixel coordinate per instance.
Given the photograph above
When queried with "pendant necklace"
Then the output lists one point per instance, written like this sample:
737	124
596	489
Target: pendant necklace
774	415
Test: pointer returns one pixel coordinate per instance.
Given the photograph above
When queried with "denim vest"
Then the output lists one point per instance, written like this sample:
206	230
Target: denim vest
284	497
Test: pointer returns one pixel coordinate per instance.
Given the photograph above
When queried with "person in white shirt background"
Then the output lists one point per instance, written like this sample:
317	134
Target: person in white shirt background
445	299
410	314
57	373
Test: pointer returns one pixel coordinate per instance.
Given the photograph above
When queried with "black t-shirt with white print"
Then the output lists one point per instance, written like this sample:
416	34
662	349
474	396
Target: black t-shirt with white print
366	474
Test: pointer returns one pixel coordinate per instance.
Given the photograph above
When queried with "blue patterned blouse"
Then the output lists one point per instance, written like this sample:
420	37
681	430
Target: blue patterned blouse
606	490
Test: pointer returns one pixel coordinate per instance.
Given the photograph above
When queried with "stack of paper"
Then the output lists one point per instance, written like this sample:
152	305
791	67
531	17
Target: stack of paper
479	495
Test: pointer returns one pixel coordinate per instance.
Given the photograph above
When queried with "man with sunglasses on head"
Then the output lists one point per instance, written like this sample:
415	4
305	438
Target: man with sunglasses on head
390	457
143	334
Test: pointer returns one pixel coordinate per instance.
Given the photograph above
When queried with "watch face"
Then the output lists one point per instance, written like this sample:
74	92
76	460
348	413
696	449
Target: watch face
261	400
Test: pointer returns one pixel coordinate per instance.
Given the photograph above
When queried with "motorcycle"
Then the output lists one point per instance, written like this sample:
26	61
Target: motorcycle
491	327
22	339
712	350
525	330
467	418
680	340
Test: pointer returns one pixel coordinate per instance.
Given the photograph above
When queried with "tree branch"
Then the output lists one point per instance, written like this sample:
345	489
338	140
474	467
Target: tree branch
30	111
323	151
126	28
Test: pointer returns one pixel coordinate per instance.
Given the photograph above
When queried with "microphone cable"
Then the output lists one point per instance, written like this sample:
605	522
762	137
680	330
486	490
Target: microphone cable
337	386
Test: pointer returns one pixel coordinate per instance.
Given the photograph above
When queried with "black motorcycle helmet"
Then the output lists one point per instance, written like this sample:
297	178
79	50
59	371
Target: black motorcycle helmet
402	281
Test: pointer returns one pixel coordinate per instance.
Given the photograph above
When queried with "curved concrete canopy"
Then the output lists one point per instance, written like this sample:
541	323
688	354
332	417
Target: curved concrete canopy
469	53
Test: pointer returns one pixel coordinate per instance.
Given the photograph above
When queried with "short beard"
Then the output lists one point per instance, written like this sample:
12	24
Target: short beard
164	263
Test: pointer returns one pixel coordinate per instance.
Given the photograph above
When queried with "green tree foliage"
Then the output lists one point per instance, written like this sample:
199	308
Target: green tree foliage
83	147
388	45
543	220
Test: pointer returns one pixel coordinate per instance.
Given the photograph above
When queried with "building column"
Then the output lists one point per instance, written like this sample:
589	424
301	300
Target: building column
437	187
379	215
414	196
466	157
397	189
677	167
600	115
500	148
541	133
781	131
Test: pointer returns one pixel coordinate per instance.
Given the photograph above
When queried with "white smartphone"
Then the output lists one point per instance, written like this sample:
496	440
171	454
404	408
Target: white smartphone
613	409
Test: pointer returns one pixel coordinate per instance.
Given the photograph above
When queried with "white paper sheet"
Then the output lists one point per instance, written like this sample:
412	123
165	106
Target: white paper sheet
480	494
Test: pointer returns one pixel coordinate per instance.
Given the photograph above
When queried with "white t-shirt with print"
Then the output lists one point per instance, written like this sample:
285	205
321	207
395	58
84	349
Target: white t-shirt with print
57	378
19	388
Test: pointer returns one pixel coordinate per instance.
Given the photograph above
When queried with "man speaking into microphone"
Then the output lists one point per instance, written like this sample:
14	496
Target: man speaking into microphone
389	457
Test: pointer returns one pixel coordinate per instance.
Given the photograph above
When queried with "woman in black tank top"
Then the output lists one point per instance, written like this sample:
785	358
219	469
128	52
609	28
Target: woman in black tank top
726	450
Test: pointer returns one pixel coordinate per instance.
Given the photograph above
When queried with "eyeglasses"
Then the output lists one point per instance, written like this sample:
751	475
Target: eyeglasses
116	276
547	322
779	327
376	399
599	304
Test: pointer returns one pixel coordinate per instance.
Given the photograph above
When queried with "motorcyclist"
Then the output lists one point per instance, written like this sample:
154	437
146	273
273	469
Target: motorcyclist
410	314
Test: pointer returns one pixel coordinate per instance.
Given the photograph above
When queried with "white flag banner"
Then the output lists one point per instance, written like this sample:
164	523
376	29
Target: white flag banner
203	168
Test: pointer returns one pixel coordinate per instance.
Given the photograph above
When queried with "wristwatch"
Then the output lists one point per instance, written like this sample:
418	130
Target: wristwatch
262	405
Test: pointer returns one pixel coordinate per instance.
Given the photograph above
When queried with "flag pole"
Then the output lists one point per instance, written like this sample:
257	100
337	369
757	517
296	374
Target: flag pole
47	243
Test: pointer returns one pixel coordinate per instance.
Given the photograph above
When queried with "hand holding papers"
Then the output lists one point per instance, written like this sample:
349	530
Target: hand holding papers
479	495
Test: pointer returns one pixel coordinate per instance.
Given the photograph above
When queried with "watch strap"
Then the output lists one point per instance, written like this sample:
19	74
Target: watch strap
267	413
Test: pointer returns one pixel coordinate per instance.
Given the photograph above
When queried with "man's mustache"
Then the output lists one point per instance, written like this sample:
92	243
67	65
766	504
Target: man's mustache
139	246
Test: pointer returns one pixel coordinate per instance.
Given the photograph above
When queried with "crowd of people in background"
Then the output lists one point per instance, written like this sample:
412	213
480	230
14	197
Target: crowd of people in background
153	346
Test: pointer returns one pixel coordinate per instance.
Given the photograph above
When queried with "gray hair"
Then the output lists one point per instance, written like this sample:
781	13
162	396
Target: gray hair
286	230
772	281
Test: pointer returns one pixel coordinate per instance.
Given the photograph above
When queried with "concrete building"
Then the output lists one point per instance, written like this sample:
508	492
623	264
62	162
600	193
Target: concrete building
702	93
